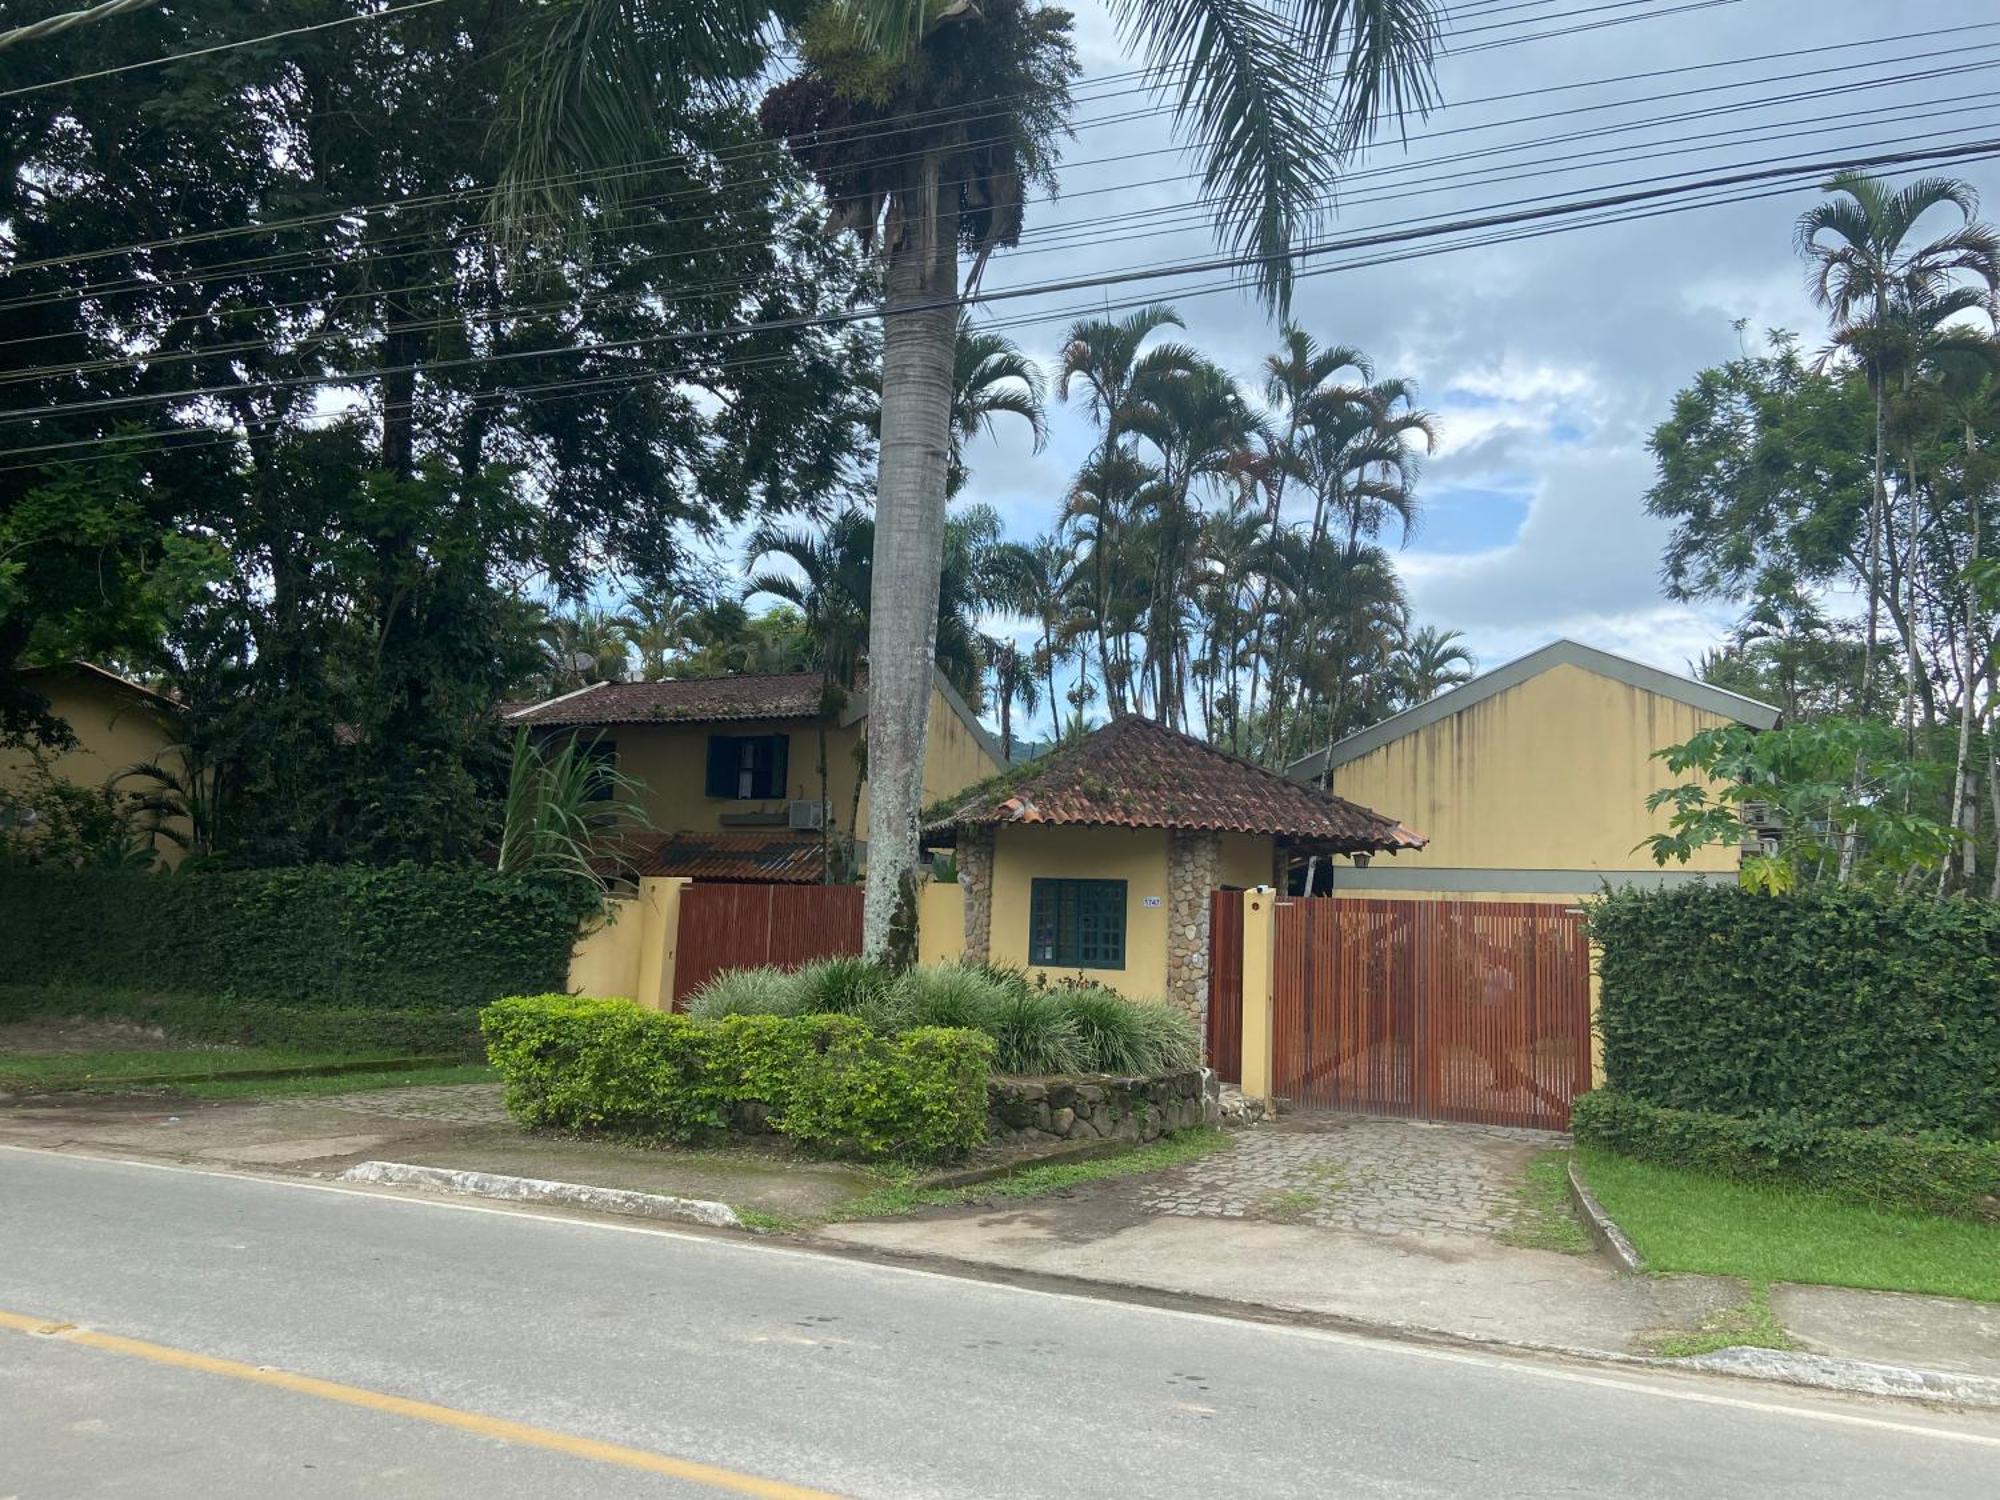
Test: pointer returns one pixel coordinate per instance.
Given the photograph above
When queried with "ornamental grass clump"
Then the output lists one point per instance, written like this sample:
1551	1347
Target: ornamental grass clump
747	992
1111	1035
1173	1034
845	986
1034	1033
945	995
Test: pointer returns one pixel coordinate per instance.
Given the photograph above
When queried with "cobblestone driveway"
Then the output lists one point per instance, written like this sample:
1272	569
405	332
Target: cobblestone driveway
1379	1176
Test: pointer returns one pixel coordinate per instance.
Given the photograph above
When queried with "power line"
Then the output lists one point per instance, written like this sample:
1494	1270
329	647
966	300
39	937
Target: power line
1812	171
900	125
1087	233
184	438
308	258
249	41
49	26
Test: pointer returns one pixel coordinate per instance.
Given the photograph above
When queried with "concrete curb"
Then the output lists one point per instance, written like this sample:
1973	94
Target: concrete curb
1827	1372
1610	1239
537	1190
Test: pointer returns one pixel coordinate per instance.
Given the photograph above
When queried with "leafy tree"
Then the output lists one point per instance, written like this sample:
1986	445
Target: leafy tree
1806	774
991	378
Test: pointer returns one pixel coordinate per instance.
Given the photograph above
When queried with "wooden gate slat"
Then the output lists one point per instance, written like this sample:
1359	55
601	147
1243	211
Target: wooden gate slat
746	926
1476	1011
1225	985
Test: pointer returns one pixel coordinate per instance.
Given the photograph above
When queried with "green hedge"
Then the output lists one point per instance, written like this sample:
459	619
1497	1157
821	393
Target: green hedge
826	1081
227	1018
407	937
1854	1008
1933	1172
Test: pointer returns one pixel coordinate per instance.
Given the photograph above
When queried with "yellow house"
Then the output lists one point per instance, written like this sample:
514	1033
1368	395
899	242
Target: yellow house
729	768
1531	781
1097	861
116	722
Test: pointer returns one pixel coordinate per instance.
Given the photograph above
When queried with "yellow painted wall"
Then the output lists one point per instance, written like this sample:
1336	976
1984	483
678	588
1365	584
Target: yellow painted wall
115	727
671	761
1137	856
940	922
1246	860
1551	774
628	951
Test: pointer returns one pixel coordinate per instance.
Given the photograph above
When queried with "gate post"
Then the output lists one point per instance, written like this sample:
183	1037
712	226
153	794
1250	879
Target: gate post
1259	974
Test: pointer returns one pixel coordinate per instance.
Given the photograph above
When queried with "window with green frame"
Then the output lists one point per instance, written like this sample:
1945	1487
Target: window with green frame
1077	924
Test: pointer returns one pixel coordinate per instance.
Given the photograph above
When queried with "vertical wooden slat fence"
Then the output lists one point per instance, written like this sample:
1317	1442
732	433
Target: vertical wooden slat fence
1225	985
727	927
1445	1010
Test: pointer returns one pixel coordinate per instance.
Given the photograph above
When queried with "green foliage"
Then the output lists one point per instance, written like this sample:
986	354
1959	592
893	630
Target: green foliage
348	938
748	992
205	1016
565	805
1843	1005
1931	1171
828	1082
844	986
1035	1034
45	820
1111	1035
946	995
1173	1035
1830	781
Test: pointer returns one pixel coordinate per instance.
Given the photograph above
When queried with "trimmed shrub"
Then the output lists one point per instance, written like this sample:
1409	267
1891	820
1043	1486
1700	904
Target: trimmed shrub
404	938
1111	1035
1843	1005
844	986
224	1018
826	1081
1933	1172
747	992
1033	1033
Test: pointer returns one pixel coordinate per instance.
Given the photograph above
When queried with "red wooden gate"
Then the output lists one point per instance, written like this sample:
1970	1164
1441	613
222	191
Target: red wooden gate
727	927
1225	985
1443	1010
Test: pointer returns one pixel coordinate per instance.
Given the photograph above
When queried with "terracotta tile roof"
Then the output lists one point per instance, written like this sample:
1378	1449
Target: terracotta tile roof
1135	773
786	695
786	858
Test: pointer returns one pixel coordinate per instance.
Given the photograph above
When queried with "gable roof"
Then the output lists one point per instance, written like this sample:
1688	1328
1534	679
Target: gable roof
711	700
1563	652
91	671
1136	773
681	700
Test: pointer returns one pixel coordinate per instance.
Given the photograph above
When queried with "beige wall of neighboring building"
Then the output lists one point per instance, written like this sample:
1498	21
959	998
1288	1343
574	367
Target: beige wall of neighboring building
1550	774
1247	860
1137	856
671	762
116	725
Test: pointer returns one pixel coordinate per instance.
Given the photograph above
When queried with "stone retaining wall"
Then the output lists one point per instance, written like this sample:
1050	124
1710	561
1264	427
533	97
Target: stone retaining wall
1101	1108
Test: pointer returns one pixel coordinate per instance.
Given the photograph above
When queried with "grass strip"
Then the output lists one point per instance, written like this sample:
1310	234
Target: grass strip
1685	1221
1542	1218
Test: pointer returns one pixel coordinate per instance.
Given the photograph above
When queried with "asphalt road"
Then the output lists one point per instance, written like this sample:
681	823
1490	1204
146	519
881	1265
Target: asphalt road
819	1373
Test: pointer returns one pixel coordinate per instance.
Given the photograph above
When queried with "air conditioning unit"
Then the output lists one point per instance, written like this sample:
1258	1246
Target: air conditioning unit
1755	814
805	814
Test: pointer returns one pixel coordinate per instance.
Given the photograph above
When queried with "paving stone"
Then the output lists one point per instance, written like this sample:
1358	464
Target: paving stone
1352	1172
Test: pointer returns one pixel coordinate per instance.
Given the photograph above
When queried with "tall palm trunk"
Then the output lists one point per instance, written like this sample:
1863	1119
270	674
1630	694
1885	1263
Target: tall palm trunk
1876	506
918	348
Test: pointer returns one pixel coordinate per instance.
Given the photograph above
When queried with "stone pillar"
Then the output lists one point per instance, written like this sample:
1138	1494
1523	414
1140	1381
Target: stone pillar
975	874
1194	866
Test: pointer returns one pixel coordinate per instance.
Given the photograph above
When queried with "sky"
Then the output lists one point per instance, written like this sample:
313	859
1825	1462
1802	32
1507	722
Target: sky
1547	362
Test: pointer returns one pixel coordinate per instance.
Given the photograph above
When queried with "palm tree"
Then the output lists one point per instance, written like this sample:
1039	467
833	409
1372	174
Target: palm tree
586	646
1013	682
828	582
1431	661
656	627
1867	278
991	378
1274	101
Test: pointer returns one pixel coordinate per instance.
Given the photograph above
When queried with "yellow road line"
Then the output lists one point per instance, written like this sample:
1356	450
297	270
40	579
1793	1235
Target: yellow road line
476	1423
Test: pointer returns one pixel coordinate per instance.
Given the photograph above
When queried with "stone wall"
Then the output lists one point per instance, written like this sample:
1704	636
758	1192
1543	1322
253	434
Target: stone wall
1101	1108
975	874
1194	868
